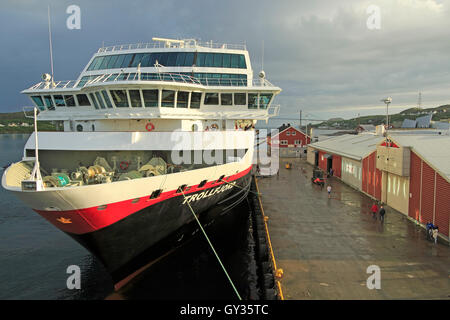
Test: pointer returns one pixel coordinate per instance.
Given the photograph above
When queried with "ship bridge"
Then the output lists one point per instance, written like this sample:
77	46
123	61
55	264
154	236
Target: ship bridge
165	79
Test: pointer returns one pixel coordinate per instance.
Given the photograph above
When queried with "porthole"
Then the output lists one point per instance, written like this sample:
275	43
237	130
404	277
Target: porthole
79	128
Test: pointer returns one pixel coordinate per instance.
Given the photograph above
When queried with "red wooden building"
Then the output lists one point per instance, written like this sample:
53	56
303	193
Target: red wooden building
290	137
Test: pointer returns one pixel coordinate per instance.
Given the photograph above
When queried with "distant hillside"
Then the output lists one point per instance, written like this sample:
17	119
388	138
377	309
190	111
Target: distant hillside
439	113
16	122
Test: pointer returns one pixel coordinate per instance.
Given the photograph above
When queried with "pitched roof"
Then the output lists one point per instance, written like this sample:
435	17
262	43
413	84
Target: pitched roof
432	148
351	146
283	128
367	127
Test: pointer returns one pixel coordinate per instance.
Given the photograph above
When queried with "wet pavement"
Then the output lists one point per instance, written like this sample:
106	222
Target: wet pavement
325	246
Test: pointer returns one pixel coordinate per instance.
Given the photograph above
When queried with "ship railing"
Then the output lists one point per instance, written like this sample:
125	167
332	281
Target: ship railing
65	84
169	77
189	43
273	110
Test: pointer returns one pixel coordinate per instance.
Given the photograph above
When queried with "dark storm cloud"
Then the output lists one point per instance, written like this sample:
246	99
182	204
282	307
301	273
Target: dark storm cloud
320	53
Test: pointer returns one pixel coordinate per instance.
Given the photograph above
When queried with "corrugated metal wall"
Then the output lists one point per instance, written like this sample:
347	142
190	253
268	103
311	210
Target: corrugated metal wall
414	186
351	172
378	183
371	183
365	174
322	161
397	195
427	194
337	164
442	209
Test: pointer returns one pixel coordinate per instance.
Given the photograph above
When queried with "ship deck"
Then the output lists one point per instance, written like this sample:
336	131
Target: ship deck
325	246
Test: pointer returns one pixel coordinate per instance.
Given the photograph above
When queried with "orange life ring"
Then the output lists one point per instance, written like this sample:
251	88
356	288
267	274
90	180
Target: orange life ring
124	165
150	126
214	126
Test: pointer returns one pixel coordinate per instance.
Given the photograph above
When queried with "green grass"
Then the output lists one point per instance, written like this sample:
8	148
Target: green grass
19	118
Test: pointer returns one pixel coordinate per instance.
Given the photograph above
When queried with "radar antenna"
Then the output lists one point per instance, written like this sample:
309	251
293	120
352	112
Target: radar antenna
50	43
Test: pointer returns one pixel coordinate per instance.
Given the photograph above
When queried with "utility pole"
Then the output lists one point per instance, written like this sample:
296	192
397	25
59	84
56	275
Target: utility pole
300	127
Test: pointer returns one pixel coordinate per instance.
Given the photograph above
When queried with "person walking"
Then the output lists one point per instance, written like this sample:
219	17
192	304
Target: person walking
382	213
374	210
435	233
329	191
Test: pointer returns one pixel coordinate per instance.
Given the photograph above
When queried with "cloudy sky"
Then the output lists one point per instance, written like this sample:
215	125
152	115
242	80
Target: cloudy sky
322	53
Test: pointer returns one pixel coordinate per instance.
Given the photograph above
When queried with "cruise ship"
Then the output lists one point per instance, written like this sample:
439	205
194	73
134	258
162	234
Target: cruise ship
147	136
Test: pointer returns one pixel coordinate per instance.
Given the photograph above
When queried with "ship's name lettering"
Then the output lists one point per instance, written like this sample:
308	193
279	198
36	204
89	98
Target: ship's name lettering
207	193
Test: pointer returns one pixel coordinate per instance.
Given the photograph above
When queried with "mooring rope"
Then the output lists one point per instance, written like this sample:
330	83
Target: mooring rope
212	247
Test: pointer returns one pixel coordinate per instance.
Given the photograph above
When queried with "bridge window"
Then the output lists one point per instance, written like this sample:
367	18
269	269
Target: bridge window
137	60
172	58
168	98
120	98
201	59
226	60
49	102
209	60
182	99
135	98
127	60
39	102
100	100
240	99
195	100
264	99
226	99
180	59
83	100
169	59
150	98
242	63
234	61
189	59
211	98
94	100
112	61
218	60
105	62
119	61
70	100
95	65
252	100
162	59
107	100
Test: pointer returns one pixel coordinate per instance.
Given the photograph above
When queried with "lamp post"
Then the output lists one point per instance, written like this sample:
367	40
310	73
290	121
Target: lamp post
387	101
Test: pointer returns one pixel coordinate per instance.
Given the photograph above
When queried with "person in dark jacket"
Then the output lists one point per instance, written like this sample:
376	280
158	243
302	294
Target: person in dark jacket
382	213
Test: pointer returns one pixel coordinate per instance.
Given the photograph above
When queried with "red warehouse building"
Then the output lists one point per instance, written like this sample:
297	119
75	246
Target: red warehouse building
291	141
410	173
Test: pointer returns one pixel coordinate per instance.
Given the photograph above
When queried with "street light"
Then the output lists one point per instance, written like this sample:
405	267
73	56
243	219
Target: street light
387	101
